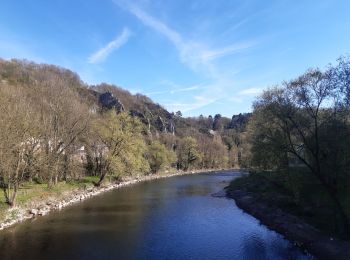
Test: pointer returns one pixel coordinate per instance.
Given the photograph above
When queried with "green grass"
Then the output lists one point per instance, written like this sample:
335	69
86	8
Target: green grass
34	192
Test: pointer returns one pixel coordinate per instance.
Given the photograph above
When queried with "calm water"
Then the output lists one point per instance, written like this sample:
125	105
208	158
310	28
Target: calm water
173	218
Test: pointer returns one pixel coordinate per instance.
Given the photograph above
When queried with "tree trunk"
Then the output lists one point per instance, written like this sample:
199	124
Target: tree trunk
11	198
98	184
50	182
12	201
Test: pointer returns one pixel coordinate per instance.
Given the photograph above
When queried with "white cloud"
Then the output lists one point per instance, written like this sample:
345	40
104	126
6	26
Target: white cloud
198	56
200	101
214	54
154	23
195	87
194	54
175	88
210	94
103	53
245	94
250	92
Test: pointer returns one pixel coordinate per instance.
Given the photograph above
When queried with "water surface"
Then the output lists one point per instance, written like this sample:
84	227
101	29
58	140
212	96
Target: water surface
172	218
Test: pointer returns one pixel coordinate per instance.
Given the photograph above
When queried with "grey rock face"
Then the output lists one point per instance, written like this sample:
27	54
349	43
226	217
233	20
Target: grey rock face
108	101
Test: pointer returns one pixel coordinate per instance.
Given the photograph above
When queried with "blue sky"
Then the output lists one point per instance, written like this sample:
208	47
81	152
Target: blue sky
197	56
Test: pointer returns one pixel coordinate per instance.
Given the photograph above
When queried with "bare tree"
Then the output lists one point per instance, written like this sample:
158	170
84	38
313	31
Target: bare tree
63	119
17	140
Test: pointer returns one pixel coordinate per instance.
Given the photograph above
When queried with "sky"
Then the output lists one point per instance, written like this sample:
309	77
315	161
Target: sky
196	56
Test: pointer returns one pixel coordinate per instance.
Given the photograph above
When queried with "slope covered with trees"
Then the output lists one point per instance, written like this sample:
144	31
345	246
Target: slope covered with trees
54	128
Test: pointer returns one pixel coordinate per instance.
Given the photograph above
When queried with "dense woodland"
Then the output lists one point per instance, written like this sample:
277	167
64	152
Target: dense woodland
54	128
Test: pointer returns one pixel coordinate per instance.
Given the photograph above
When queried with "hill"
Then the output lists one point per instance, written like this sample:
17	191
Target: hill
54	127
26	74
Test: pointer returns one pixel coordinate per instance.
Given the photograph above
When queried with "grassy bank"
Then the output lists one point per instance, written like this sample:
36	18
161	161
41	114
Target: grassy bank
31	193
297	192
41	199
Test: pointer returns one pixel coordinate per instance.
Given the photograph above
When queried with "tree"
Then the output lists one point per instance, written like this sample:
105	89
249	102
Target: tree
121	145
307	119
214	152
63	119
178	114
188	153
217	124
17	140
234	139
159	157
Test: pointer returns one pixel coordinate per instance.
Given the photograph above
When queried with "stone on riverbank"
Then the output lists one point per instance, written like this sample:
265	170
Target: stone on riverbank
43	208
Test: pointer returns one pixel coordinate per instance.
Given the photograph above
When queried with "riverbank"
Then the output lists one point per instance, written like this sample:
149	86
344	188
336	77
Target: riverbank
42	200
293	228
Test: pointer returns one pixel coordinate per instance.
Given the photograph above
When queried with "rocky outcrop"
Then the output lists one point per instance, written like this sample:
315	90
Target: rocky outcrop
172	127
166	127
108	101
135	113
161	125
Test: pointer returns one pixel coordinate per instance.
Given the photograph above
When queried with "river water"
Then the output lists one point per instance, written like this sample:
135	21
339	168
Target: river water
171	218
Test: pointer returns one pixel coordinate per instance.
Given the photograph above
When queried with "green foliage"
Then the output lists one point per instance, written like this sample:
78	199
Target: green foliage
188	153
123	146
214	152
306	124
159	157
267	141
54	128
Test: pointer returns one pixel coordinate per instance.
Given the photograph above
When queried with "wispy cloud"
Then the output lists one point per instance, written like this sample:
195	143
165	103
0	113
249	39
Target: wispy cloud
104	52
208	55
199	101
173	91
250	92
173	88
185	89
245	94
194	54
198	56
152	22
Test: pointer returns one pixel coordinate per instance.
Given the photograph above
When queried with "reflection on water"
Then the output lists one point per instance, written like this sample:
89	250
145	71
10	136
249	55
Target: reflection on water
174	218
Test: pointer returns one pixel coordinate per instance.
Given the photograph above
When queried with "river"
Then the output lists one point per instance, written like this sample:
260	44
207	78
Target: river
170	218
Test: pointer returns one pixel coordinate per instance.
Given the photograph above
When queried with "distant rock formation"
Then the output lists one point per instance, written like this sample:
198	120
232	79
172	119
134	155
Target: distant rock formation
108	101
144	119
161	125
172	127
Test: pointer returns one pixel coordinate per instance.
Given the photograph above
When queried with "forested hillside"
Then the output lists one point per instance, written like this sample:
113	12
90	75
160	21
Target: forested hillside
54	127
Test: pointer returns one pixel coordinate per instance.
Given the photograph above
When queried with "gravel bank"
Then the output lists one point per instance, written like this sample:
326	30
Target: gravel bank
36	209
